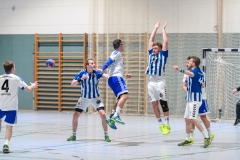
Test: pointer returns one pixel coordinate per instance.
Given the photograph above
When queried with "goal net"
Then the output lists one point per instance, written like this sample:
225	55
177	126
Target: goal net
222	72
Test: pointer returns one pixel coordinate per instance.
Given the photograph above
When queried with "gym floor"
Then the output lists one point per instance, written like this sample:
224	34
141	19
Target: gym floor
43	135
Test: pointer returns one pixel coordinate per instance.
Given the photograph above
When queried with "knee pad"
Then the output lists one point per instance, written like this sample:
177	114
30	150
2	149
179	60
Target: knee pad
164	106
100	108
78	110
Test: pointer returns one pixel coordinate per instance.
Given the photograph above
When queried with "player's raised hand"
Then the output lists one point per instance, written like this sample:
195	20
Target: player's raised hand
35	84
99	70
234	91
176	68
164	25
84	77
157	25
128	76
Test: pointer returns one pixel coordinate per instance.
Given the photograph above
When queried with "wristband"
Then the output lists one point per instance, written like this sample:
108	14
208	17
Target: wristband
182	70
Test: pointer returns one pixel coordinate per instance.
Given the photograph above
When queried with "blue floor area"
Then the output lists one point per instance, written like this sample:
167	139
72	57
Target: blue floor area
43	135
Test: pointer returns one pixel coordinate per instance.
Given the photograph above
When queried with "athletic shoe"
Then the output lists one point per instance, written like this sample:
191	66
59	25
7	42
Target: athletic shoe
236	122
206	142
5	148
117	119
191	139
168	128
72	138
163	129
107	138
211	138
185	142
111	123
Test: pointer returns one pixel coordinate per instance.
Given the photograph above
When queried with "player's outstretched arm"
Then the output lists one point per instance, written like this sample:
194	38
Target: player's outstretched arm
75	82
153	34
235	90
191	74
32	86
165	39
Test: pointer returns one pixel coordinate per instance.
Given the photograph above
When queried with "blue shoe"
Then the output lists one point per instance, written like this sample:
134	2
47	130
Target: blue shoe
117	119
111	123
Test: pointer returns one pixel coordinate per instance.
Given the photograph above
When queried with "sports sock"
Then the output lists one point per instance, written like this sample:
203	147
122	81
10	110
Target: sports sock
209	131
117	111
105	133
6	141
113	111
191	132
187	137
159	121
167	120
204	134
74	133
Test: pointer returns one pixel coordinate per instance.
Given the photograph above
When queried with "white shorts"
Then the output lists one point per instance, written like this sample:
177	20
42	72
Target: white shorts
191	111
157	91
83	103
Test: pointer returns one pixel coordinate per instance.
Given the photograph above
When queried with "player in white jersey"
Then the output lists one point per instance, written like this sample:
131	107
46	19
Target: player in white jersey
89	79
157	59
194	99
203	109
116	82
10	84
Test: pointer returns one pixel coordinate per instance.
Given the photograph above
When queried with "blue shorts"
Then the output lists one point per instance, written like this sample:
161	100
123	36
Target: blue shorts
118	85
203	109
11	116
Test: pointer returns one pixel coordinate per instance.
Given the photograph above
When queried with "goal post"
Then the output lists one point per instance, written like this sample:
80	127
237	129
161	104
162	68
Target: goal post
222	75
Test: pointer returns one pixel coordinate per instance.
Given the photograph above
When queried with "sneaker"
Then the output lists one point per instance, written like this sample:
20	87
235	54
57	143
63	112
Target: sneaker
107	138
211	138
111	123
168	128
117	119
5	148
191	139
206	142
72	138
236	122
164	129
185	142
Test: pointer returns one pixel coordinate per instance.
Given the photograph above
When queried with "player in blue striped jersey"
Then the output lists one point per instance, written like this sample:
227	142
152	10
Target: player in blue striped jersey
157	59
9	86
194	99
203	109
89	79
116	82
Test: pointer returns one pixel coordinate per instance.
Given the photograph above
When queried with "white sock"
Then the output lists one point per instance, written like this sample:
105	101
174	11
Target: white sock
6	141
117	111
204	134
187	137
209	132
105	133
191	133
159	121
167	120
74	133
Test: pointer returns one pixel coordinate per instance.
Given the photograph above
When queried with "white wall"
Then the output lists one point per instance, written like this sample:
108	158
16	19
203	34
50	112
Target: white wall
79	16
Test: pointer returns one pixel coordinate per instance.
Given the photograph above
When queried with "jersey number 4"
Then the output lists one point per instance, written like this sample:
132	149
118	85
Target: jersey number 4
5	85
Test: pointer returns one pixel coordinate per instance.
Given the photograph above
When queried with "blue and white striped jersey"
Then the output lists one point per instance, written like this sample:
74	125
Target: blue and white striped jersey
89	86
156	63
194	85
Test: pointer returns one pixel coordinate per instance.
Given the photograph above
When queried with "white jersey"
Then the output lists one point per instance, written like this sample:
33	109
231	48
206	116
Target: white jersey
116	68
204	95
10	84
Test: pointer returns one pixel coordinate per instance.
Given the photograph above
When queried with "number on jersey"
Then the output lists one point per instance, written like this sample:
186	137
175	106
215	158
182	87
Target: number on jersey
5	85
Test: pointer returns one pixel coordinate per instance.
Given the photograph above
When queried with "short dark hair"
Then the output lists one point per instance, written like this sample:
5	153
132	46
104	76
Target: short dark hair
8	65
196	60
189	57
117	43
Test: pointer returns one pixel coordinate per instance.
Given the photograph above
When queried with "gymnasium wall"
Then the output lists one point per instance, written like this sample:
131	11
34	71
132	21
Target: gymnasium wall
190	28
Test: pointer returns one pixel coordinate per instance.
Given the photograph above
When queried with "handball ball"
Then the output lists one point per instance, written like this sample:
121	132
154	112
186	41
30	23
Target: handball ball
50	63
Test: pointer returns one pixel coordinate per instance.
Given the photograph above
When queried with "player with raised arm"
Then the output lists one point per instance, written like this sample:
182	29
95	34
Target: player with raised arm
237	108
116	82
194	99
157	59
89	79
10	84
203	109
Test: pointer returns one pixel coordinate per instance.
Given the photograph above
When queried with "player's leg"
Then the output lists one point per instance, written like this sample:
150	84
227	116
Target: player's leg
102	114
193	114
81	106
11	118
237	114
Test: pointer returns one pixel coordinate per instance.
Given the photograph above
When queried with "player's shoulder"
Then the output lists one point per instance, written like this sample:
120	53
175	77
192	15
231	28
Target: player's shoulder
82	71
115	52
